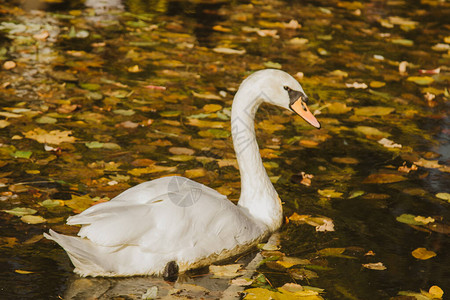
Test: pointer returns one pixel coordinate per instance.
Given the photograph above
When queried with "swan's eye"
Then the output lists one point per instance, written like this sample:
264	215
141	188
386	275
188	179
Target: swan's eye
287	88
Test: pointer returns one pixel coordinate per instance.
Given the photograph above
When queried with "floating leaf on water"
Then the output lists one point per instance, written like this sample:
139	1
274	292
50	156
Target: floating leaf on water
23	272
288	262
356	85
424	220
30	219
52	203
151	169
22	154
272	65
195	173
369	111
421	80
331	251
206	96
210	108
46	120
224	50
226	271
124	112
371	131
443	196
423	254
388	143
338	108
20	211
79	203
403	42
329	193
54	137
356	194
408	219
9	64
181	150
170	114
4	123
436	292
375	266
216	133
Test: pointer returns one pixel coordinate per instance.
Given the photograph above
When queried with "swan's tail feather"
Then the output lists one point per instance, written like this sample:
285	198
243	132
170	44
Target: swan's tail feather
81	253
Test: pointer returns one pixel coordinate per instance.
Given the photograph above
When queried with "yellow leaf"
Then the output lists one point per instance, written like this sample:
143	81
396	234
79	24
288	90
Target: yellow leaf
30	219
329	193
134	69
436	292
331	251
288	262
424	220
23	272
369	111
151	169
338	108
210	108
79	203
195	173
270	127
421	80
423	253
376	84
54	137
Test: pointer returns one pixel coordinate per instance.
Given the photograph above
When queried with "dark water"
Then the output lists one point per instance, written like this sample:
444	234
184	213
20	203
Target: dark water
350	33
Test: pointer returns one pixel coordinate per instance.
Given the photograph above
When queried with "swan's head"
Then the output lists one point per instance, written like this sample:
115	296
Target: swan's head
281	89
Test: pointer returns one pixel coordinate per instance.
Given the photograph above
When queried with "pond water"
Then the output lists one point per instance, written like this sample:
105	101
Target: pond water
98	96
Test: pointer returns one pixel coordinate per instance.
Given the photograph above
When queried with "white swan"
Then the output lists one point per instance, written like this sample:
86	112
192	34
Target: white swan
174	219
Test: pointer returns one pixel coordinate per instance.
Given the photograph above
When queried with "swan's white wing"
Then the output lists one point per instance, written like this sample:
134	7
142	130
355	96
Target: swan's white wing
183	215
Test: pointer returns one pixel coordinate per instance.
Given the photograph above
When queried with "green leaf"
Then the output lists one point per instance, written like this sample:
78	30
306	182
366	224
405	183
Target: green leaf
421	80
272	65
408	219
22	154
20	211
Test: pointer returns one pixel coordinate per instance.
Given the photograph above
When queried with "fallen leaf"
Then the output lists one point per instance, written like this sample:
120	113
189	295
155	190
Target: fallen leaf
371	131
242	281
375	266
226	271
356	85
54	137
436	292
443	196
423	254
421	80
224	50
23	272
338	108
345	160
9	64
329	193
381	178
79	203
30	219
20	211
388	143
369	111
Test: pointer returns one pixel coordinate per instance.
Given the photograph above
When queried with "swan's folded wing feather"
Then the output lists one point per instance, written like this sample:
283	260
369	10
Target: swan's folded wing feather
209	224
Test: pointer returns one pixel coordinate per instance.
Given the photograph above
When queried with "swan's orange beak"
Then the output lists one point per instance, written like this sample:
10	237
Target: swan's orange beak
303	111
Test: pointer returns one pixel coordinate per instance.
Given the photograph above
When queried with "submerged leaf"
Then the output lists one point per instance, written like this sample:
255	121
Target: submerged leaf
381	178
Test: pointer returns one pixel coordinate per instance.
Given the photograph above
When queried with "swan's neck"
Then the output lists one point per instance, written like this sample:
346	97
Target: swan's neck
258	196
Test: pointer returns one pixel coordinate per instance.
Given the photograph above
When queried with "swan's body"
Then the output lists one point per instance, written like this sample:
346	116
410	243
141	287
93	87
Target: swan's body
176	219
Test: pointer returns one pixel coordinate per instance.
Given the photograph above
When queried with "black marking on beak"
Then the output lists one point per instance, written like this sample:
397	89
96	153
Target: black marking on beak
295	95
